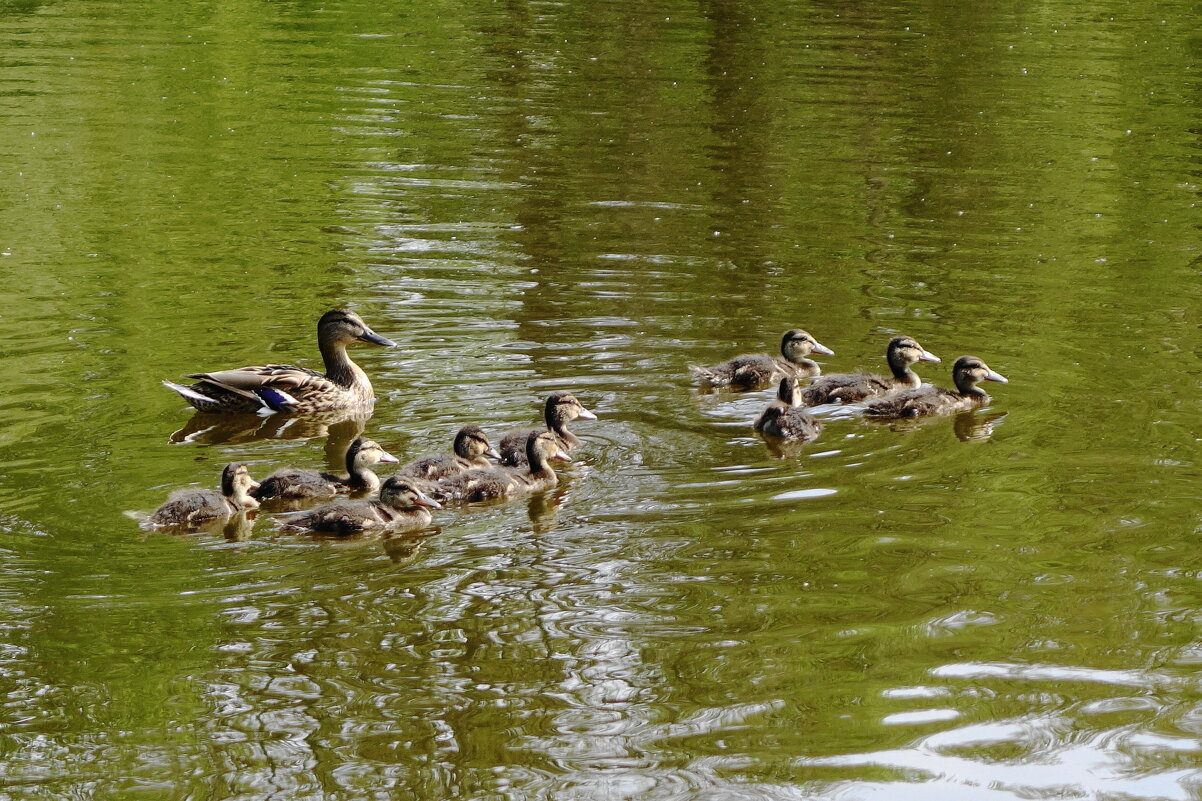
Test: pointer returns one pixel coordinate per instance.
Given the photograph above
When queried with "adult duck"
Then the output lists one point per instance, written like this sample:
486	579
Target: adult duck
402	506
500	482
292	483
285	388
560	409
967	372
751	371
785	417
471	451
194	507
855	387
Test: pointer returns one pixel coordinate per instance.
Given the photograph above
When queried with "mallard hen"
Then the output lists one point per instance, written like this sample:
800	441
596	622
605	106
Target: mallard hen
284	388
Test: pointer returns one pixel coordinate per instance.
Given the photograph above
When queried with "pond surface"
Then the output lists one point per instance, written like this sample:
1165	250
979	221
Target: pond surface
592	196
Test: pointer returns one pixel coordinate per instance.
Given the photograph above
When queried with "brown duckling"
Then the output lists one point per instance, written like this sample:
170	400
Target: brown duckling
852	387
967	372
402	506
501	482
472	451
193	507
294	483
561	408
759	370
284	388
785	417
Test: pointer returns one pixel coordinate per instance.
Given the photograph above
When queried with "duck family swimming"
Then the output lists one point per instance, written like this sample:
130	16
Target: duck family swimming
526	455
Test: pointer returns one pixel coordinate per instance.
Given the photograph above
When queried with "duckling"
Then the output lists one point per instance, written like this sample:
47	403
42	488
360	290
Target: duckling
402	506
501	482
852	387
561	408
966	372
192	507
284	388
293	483
785	416
759	370
472	450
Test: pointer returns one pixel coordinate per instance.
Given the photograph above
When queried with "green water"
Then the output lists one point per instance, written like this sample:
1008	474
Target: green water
591	196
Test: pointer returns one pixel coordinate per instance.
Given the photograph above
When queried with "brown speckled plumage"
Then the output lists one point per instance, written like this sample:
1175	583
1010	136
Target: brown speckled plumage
855	387
294	483
785	417
193	507
402	506
471	451
502	482
967	372
284	387
753	371
560	409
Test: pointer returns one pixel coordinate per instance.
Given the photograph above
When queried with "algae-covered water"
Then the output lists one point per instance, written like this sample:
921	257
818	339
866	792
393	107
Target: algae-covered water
592	196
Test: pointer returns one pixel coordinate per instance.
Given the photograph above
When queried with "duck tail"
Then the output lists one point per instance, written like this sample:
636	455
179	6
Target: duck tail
187	393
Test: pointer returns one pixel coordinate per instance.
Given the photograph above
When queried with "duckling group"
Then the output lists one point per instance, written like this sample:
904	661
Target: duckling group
400	503
523	462
901	394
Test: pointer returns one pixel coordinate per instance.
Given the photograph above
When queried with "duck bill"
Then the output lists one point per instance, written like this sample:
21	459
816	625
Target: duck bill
927	356
425	500
822	350
387	458
492	453
375	339
585	414
254	485
562	457
998	377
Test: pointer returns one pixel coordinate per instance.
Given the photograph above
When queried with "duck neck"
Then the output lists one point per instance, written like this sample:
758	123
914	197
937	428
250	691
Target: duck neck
364	478
802	366
969	389
902	372
558	423
539	466
342	371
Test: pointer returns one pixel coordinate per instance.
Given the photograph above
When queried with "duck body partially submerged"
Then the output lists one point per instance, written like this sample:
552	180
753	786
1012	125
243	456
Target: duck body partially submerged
967	372
560	409
295	483
857	387
786	418
272	388
752	371
402	506
195	507
502	482
471	452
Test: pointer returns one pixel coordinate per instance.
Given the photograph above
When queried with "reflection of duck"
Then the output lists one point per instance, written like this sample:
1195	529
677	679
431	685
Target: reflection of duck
193	507
500	482
285	388
760	370
970	426
785	417
561	408
212	428
404	548
294	483
472	450
967	372
851	387
402	506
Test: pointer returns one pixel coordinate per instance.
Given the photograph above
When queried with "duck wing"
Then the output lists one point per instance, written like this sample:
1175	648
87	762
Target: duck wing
274	385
